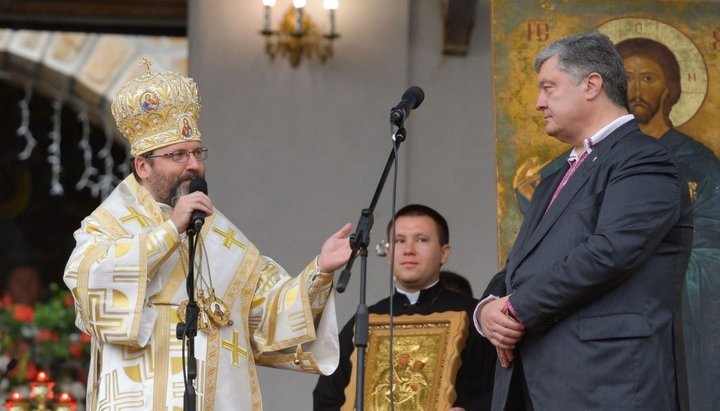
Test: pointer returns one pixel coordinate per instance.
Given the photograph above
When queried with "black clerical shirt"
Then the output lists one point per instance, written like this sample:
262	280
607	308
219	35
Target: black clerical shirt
473	383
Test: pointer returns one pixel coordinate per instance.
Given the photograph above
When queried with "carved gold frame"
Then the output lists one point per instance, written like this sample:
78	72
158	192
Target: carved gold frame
426	357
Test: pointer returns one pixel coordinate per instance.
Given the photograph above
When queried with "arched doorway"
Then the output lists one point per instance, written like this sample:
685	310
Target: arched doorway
60	152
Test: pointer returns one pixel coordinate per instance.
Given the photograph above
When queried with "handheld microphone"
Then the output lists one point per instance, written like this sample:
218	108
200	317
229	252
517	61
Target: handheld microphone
411	99
197	218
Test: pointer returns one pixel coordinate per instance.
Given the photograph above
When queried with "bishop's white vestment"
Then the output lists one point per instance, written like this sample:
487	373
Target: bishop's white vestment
127	275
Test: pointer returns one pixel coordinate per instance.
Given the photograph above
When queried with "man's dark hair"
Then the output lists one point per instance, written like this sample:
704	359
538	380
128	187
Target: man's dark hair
592	52
423	210
132	164
660	54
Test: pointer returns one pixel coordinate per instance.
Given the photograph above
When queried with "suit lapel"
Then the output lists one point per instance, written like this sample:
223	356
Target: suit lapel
563	199
539	203
547	219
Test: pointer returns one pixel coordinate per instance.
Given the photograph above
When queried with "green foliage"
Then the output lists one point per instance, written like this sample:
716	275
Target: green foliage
44	337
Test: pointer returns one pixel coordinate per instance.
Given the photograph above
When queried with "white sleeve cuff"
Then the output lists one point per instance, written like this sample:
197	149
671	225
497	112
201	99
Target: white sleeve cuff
477	311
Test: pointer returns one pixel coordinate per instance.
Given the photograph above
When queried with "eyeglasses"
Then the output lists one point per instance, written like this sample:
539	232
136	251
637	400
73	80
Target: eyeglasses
182	156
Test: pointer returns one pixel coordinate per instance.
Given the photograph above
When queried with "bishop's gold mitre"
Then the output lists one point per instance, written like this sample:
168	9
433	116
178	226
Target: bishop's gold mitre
156	110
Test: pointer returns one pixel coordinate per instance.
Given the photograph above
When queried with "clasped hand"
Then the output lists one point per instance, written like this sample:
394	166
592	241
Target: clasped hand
503	331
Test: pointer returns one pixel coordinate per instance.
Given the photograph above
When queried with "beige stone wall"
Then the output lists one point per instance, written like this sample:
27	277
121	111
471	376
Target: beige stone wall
84	69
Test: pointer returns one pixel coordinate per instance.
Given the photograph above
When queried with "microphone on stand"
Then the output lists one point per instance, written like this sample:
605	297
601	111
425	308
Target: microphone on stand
197	218
411	99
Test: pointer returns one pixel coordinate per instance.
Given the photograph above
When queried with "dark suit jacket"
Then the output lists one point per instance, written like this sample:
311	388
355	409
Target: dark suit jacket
473	383
596	280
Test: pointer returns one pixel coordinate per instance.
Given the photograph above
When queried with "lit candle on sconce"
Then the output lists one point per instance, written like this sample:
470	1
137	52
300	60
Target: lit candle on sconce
269	4
65	402
16	402
331	6
298	35
41	390
299	4
42	376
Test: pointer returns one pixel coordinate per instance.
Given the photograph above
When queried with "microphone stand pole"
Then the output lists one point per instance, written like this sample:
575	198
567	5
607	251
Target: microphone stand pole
359	242
189	330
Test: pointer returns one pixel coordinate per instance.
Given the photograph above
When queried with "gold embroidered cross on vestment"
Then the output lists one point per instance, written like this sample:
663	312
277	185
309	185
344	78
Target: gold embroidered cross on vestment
235	349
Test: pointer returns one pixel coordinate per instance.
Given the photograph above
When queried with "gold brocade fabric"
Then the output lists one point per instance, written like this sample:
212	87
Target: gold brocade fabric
127	275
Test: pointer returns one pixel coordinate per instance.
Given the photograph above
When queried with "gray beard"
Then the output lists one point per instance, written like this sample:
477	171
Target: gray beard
179	192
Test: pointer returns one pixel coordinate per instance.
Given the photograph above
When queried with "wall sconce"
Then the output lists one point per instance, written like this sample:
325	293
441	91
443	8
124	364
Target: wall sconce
298	35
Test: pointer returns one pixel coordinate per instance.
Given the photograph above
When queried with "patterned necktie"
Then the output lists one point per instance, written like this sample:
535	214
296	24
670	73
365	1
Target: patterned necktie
573	166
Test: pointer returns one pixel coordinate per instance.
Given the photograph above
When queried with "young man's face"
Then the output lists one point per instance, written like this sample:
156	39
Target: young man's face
418	252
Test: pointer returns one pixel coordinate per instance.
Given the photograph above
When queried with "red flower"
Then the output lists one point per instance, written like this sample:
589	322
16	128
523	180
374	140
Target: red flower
47	335
23	313
76	349
6	301
31	371
68	301
85	337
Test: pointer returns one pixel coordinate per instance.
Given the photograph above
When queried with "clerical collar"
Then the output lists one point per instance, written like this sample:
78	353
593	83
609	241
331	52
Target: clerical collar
590	143
414	296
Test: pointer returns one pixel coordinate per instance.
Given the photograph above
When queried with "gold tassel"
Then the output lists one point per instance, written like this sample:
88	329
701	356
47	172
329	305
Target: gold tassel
298	353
